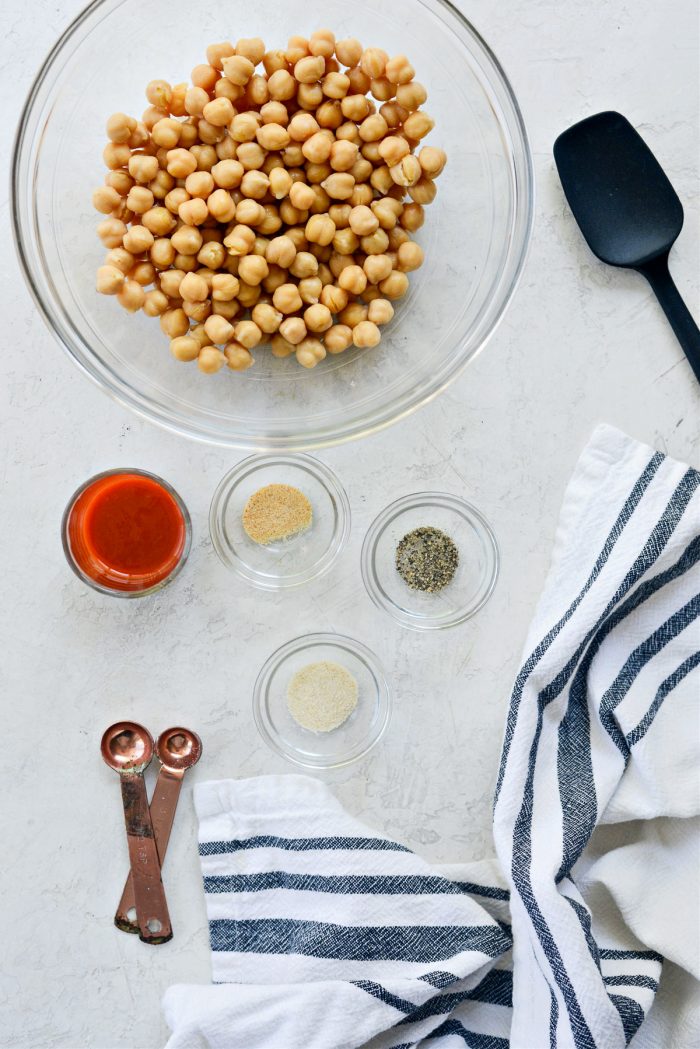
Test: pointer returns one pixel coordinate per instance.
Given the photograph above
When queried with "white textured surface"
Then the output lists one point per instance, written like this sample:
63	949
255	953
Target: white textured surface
580	344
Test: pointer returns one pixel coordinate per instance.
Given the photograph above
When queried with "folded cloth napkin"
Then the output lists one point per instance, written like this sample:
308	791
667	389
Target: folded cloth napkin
326	935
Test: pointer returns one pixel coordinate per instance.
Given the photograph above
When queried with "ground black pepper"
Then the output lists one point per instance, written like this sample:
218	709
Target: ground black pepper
427	559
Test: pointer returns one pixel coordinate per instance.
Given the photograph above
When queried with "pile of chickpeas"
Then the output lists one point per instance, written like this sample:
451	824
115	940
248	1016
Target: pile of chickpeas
270	207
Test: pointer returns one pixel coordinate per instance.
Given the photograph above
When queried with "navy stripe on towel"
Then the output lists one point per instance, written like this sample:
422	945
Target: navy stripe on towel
377	991
631	1014
411	943
268	841
496	989
631	981
615	954
664	689
342	884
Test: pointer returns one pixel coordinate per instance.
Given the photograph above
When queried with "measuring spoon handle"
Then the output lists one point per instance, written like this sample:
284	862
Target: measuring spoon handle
163	806
149	895
686	330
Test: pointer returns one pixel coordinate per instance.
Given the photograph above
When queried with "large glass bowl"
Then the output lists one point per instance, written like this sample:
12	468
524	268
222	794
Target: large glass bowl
475	236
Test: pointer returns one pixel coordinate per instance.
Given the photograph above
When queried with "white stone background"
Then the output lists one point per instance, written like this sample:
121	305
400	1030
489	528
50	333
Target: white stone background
580	344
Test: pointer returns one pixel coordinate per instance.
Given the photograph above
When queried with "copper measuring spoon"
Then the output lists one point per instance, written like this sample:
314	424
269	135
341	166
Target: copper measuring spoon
177	750
128	749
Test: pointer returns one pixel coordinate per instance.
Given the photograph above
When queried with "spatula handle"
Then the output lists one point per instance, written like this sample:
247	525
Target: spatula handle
687	332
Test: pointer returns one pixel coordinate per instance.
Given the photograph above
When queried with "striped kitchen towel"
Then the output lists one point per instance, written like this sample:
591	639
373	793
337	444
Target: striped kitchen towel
326	935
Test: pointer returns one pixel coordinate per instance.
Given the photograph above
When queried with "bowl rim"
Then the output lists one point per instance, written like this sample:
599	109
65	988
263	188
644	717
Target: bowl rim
142	405
299	644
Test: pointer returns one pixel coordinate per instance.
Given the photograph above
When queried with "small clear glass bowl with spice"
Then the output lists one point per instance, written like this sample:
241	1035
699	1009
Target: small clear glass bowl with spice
355	734
430	560
279	520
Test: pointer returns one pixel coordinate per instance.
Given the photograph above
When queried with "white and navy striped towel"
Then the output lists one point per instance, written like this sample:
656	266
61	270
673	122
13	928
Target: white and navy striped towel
325	935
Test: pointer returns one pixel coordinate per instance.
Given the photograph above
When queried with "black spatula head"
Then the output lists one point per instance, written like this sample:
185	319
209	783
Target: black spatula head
626	207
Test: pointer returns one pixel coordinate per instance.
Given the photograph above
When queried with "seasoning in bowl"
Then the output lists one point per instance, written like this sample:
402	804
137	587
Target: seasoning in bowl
322	696
427	559
276	512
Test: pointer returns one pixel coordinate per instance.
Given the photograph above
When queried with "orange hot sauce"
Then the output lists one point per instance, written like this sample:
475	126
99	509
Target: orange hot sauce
126	532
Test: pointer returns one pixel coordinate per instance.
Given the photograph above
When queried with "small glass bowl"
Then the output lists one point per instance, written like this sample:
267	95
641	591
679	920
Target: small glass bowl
474	580
292	561
104	588
322	750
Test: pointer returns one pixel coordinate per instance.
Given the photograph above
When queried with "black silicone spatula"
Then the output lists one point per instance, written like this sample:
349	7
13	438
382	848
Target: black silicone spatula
627	209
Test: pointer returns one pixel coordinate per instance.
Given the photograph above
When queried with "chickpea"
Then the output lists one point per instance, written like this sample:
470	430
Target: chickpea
120	127
355	107
161	185
339	186
273	61
282	86
220	205
267	317
229	310
197	311
394	286
120	258
206	157
310	69
158	221
345	242
393	149
318	318
248	334
257	92
359	81
333	297
338	338
252	48
217	52
373	62
317	173
337	263
193	212
187	240
413	217
292	156
317	148
159	93
382	89
280	183
250	213
244	127
199	184
353	279
293	330
376	243
106	199
280	347
320	229
155	303
219	112
322	42
363	221
418	125
177	100
151	116
292	215
238	69
170	282
380	311
287	299
399	70
411	95
166	133
329	115
353	314
310	290
251	155
309	96
407	172
381	179
393	113
410	257
397	237
140	136
210	360
186	263
193	288
271	222
212	255
181	163
131	295
340	213
184	348
361	170
366	334
200	336
335	85
309	352
373	128
349	51
218	329
240	240
119	180
196	98
175	198
297	48
228	174
424	191
302	126
238	358
110	280
370	152
298	237
385	213
273	136
255	185
253	269
224	287
281	251
137	240
174	323
143	168
432	161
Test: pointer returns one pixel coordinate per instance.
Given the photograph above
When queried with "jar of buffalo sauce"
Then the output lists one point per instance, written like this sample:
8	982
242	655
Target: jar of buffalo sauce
126	533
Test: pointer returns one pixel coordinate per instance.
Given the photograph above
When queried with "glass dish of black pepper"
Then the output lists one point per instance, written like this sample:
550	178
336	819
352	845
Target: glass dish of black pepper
430	560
